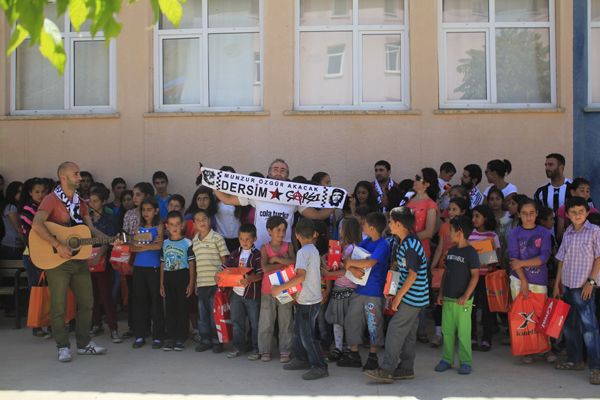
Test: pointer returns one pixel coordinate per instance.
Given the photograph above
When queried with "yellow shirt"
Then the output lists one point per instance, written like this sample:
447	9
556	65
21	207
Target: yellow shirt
208	254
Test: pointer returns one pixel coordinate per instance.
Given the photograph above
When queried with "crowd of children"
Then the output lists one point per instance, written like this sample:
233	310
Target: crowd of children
423	228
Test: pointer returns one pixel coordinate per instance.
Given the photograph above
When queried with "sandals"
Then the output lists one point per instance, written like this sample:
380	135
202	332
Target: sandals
570	366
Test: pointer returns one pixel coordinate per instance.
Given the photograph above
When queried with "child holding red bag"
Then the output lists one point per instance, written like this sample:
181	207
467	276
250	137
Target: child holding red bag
529	249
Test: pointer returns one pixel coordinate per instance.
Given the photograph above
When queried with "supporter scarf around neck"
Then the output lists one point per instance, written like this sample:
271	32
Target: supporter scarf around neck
73	206
380	190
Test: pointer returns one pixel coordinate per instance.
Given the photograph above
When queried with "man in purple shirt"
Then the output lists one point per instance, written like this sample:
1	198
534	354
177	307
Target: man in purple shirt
578	268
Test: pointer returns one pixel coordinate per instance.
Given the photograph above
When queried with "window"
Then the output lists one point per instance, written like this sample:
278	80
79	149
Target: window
594	53
213	60
497	54
351	55
86	86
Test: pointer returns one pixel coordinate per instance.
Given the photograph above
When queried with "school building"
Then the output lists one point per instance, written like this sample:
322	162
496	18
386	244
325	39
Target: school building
330	85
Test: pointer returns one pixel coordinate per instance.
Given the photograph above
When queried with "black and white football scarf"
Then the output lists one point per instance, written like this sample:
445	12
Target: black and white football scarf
73	206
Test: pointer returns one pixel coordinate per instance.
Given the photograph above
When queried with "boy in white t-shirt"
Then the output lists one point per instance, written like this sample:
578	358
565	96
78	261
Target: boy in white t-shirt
306	347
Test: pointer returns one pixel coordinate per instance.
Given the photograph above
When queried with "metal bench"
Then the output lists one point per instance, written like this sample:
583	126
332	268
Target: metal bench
13	269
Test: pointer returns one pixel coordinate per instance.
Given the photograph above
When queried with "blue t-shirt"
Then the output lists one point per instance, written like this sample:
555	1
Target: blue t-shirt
162	206
176	254
380	251
411	256
148	258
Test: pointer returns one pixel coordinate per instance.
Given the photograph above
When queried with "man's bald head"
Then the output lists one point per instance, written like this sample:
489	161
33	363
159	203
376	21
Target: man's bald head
64	168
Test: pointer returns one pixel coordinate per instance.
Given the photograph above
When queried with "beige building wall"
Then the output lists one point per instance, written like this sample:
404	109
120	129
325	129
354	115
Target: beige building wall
136	141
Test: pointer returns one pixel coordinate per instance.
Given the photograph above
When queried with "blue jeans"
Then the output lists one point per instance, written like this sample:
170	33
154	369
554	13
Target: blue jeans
241	309
582	326
306	346
206	314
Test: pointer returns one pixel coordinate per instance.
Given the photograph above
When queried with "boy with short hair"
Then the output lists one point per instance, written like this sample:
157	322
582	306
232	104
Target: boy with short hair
161	184
447	171
365	307
211	252
456	296
578	272
245	299
177	281
306	347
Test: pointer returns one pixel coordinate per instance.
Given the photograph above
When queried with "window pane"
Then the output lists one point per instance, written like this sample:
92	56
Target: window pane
181	71
466	10
596	10
232	13
381	12
51	14
232	70
38	86
192	16
325	12
523	65
91	76
522	10
595	64
381	68
325	68
466	66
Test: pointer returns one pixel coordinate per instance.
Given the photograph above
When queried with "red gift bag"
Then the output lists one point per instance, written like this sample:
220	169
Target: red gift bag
121	259
101	265
553	317
223	316
523	318
498	291
387	306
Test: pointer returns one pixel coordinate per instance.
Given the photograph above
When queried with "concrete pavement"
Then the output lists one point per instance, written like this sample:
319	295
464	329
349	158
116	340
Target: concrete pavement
29	370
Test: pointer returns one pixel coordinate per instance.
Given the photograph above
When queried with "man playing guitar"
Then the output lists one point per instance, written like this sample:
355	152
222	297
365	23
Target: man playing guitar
63	206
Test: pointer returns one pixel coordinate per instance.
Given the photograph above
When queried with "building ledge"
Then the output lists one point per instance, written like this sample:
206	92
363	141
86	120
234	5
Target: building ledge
207	114
454	111
350	112
33	117
591	109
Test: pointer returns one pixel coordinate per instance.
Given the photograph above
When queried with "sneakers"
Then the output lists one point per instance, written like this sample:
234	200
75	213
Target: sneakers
442	366
401	374
139	342
178	346
372	363
297	365
233	354
91	349
465	369
436	341
96	330
350	360
334	355
254	356
265	357
203	347
485	346
217	348
168	346
283	358
157	344
527	359
315	373
114	336
550	357
380	375
64	354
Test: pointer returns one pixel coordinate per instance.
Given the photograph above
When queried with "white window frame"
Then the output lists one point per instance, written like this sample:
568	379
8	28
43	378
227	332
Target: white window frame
331	55
389	49
202	34
489	28
69	38
358	31
591	25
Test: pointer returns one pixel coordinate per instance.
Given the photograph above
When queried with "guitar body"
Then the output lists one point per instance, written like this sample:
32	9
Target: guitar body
44	256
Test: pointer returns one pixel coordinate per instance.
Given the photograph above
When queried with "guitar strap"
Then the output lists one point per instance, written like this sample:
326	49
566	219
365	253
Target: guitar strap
72	206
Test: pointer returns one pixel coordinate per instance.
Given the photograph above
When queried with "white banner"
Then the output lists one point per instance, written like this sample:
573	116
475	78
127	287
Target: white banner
274	191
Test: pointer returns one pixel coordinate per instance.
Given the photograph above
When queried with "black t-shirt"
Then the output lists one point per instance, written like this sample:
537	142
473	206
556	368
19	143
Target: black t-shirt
459	263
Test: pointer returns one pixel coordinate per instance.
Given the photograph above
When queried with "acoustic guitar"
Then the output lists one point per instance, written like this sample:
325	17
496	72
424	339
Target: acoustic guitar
77	238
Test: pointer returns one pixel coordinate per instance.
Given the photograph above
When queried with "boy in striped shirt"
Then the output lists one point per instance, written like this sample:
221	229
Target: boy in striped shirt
412	296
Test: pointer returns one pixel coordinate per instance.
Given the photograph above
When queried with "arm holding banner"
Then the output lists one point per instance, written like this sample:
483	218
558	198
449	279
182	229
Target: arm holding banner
228	199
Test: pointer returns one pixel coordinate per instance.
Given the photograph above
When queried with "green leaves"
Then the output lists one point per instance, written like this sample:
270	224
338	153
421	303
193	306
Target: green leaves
28	19
51	46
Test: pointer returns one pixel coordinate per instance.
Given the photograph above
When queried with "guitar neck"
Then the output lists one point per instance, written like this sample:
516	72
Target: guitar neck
96	241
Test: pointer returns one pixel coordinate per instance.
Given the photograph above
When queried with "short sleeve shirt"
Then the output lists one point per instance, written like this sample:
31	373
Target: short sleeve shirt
308	259
208	252
57	212
176	254
459	263
380	251
264	210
